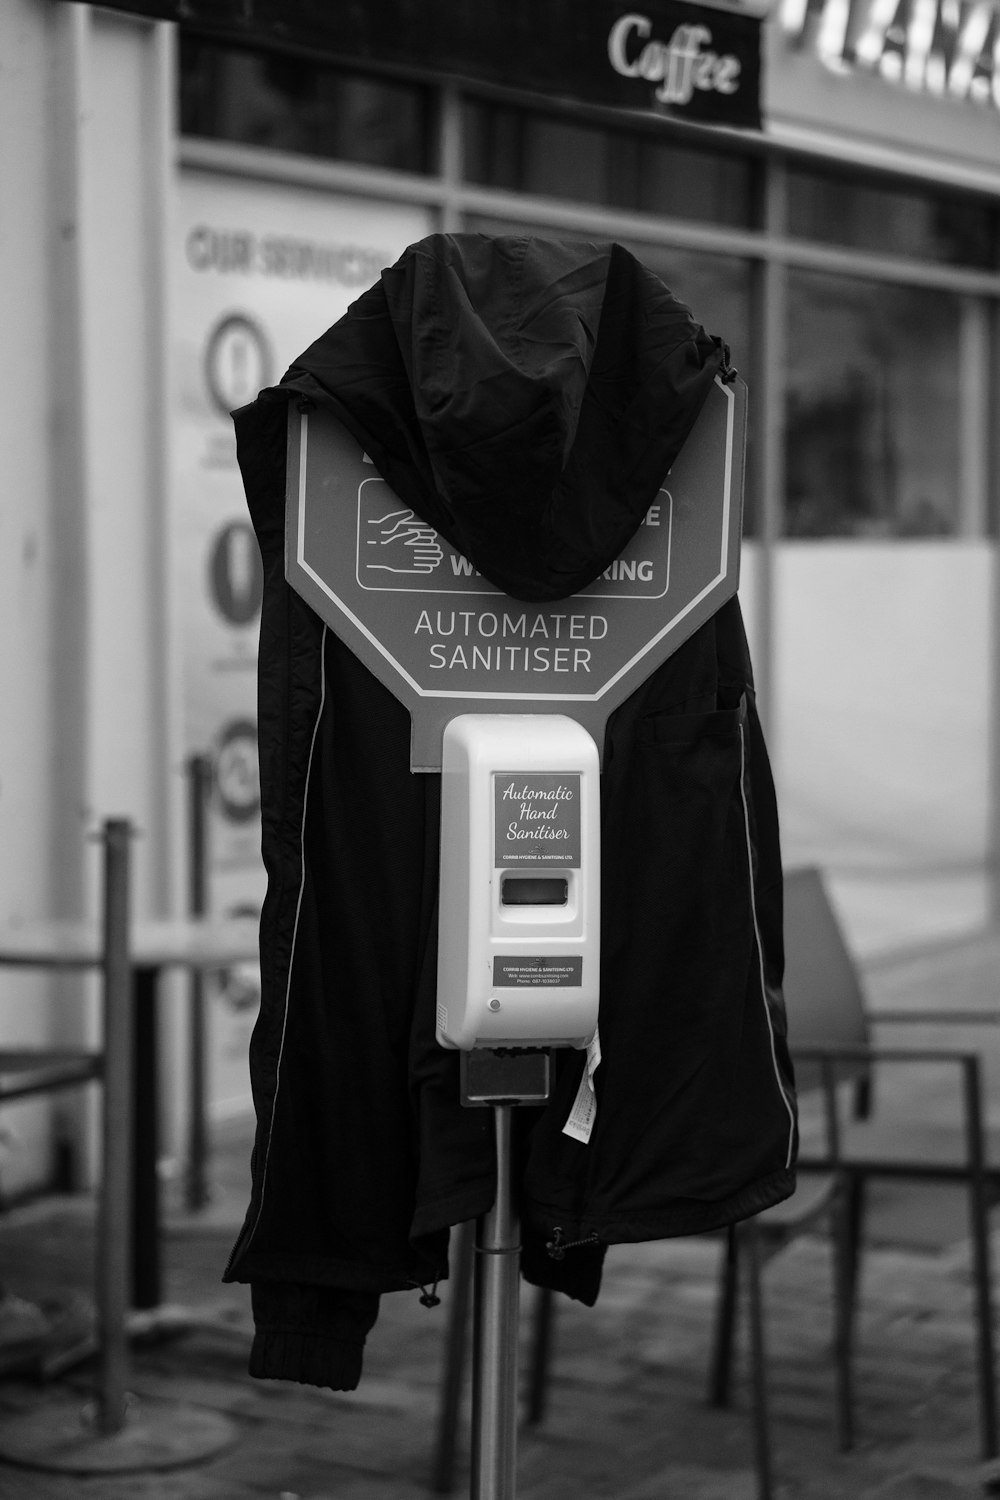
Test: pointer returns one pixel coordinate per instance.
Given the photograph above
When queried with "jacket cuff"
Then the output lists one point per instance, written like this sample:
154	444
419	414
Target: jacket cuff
311	1334
577	1275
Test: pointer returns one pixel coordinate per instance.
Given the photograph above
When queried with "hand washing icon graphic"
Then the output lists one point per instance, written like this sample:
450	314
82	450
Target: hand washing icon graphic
398	541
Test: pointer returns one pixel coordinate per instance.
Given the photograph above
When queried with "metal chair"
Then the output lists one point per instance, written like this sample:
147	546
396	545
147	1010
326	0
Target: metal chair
829	1025
860	1137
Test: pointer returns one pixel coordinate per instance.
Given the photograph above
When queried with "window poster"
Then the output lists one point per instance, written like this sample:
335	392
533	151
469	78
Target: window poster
259	271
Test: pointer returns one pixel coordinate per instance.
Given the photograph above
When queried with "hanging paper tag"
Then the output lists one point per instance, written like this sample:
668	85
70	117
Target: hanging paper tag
581	1116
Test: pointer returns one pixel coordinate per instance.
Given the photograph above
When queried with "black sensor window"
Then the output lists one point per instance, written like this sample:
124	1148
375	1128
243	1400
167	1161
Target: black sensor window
533	890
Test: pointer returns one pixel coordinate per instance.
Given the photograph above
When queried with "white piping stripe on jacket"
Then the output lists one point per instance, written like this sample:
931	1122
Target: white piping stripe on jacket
295	929
760	954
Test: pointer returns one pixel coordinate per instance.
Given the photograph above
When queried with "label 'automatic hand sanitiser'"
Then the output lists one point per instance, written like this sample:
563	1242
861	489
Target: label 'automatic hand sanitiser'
519	926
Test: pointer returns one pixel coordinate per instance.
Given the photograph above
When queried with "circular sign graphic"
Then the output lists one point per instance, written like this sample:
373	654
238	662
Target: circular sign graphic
237	776
236	574
237	362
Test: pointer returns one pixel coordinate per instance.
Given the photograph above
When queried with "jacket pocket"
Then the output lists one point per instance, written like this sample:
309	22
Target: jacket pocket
677	937
723	725
675	833
683	1050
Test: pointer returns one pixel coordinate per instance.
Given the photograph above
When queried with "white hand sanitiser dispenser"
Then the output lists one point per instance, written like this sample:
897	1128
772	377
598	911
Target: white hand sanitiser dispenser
519	924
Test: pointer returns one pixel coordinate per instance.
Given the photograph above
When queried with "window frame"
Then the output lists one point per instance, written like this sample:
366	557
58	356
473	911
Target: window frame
767	246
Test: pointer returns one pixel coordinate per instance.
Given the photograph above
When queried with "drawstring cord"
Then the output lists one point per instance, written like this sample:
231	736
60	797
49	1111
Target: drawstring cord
557	1246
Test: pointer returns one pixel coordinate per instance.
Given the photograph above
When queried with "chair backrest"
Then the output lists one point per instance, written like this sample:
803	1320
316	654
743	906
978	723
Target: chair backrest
823	993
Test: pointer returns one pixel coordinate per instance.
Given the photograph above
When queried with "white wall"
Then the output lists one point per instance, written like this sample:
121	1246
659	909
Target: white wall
883	662
25	523
123	142
880	733
85	675
26	562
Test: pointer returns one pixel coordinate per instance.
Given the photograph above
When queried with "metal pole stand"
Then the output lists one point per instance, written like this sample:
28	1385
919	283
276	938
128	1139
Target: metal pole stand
114	1433
199	787
499	1079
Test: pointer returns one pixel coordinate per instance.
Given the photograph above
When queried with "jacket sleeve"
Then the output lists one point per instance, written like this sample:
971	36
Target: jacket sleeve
311	1334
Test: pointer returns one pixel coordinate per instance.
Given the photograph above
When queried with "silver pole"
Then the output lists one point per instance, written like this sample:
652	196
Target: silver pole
199	791
495	1333
113	1232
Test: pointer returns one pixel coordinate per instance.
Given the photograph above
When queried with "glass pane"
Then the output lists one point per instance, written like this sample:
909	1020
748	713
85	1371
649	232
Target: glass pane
556	158
871	445
716	189
897	220
290	104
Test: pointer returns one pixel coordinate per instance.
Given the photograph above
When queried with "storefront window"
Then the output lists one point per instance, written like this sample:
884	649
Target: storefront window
871	445
290	104
885	217
635	171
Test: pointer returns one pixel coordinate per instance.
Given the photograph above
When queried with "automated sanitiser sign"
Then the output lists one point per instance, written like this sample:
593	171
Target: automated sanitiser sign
446	641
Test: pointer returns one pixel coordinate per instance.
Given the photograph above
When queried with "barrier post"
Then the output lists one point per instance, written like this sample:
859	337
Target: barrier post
114	1203
500	1079
113	1435
495	1333
199	769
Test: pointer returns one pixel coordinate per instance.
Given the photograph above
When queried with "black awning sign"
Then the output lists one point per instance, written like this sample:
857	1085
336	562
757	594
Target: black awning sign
676	66
700	62
684	59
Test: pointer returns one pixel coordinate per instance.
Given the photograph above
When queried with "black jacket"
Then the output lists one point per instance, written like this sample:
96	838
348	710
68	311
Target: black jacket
507	389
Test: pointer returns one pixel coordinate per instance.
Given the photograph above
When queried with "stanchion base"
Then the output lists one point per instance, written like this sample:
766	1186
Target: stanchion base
61	1436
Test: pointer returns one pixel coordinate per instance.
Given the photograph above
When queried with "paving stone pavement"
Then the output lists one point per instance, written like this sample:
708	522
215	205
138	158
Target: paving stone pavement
627	1417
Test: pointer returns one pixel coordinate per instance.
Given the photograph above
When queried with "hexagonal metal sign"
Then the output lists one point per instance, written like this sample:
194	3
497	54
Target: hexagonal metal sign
446	641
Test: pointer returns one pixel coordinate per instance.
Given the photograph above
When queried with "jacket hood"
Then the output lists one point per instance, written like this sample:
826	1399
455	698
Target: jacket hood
526	397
